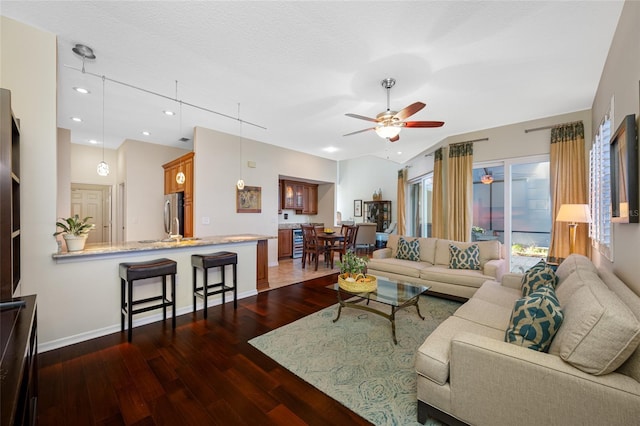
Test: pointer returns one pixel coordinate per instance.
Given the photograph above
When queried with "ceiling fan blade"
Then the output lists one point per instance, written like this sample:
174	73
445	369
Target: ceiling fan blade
359	131
361	117
423	123
409	111
395	138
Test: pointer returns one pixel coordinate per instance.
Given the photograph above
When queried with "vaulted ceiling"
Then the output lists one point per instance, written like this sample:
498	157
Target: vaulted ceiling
296	68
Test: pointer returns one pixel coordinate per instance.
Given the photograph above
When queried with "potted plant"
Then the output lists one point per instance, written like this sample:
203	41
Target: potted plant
74	231
353	276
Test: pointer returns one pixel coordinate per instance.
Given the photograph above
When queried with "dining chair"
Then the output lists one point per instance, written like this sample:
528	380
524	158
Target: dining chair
311	247
347	244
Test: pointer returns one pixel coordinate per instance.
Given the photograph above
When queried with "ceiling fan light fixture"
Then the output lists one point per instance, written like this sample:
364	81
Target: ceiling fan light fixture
387	131
486	179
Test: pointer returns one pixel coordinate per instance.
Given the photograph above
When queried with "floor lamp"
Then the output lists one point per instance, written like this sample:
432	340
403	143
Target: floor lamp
574	214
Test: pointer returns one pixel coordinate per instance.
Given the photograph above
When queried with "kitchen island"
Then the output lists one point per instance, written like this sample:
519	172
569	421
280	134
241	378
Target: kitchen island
84	291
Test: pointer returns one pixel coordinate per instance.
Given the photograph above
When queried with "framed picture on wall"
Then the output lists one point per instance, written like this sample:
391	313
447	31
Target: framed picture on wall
357	208
249	199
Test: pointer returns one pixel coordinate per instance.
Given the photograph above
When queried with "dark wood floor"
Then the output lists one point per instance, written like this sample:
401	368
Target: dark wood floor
204	373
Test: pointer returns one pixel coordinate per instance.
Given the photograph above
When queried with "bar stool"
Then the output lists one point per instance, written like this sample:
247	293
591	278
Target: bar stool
132	271
205	261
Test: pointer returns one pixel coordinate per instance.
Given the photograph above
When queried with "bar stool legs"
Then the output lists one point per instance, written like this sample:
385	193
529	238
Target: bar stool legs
205	261
132	271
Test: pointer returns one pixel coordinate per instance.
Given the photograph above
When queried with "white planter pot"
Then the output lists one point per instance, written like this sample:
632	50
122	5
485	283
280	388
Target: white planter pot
75	242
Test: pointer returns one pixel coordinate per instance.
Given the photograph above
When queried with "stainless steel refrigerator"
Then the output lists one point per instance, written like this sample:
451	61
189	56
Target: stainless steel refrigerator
174	214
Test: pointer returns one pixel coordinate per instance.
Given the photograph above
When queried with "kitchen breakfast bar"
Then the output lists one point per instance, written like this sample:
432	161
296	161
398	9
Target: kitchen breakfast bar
87	283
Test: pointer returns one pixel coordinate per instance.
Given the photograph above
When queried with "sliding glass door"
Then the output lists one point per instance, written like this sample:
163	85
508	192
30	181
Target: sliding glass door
420	196
512	204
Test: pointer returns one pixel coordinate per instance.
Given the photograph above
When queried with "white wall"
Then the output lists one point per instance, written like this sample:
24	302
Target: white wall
218	167
360	177
32	80
143	176
621	79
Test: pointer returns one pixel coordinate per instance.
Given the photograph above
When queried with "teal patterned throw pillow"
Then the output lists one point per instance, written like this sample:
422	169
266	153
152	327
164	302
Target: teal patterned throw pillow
535	320
468	258
537	276
408	250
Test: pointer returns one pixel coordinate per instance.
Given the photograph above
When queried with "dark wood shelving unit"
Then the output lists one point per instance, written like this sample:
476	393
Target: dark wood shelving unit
10	195
18	317
378	212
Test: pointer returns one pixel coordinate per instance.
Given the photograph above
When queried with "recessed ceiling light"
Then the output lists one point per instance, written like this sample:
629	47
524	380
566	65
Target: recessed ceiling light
330	149
77	119
167	112
146	133
82	90
399	152
93	141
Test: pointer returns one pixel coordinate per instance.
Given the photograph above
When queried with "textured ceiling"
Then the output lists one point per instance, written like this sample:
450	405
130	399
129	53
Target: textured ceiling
297	67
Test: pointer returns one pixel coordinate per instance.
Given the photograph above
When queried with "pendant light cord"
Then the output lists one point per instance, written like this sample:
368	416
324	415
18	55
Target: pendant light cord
103	79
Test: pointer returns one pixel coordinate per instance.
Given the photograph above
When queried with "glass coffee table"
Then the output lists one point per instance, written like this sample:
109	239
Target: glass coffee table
396	294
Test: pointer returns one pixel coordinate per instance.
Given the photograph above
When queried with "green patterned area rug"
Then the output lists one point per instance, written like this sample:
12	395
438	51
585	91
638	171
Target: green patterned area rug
355	361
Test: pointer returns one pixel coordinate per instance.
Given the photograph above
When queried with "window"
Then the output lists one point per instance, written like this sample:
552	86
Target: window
600	189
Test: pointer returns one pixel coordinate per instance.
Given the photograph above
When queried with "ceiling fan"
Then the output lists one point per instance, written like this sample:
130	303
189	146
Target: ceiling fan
389	123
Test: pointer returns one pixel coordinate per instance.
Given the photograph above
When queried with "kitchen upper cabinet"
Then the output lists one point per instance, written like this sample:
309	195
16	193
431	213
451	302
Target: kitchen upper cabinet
310	199
299	196
178	177
285	243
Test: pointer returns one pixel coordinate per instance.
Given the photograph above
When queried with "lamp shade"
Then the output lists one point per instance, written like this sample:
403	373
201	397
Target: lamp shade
574	213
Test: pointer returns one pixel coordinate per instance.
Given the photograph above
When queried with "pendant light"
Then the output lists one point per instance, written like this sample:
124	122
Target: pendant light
240	183
103	167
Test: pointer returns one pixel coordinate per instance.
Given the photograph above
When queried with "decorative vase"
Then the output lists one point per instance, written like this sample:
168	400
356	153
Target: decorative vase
360	284
75	242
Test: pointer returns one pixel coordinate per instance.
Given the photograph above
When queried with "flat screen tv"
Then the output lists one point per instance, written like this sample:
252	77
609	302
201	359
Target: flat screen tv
624	172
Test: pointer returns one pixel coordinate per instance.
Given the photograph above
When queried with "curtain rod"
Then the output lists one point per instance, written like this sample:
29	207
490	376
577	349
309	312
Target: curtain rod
458	143
535	129
164	96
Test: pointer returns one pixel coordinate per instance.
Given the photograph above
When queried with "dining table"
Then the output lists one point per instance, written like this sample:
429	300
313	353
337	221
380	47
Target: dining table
329	239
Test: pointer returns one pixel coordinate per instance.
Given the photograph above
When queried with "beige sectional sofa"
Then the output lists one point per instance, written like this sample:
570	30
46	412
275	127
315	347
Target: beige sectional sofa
433	267
468	374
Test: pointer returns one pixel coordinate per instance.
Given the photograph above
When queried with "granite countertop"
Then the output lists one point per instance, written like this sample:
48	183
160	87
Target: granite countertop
95	250
296	225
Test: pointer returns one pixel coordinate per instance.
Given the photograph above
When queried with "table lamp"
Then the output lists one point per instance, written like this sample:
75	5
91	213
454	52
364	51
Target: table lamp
574	214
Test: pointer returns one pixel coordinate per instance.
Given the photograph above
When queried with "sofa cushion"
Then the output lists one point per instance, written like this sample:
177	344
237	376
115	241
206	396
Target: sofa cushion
496	293
572	263
408	249
489	250
432	358
485	313
535	320
631	366
464	258
397	266
599	332
537	276
443	274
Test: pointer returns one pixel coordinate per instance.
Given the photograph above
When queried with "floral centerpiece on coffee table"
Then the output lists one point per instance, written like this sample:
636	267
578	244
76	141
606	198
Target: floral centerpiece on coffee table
353	277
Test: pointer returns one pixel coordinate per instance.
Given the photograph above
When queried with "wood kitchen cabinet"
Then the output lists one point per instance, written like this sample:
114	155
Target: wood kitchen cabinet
178	177
262	265
285	243
299	196
310	199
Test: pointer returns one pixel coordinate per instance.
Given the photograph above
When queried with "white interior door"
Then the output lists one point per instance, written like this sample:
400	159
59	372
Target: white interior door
96	203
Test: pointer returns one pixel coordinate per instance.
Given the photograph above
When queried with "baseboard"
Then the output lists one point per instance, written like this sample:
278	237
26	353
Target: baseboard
92	334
